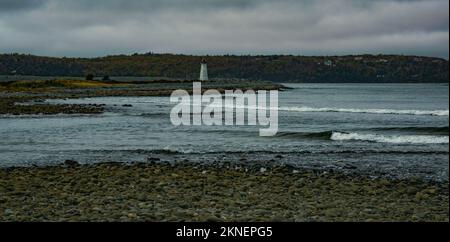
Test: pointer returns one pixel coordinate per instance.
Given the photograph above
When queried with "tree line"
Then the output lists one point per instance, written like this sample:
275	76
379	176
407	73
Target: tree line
278	68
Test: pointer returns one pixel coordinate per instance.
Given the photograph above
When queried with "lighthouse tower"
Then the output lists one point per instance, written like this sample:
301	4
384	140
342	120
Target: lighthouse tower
204	71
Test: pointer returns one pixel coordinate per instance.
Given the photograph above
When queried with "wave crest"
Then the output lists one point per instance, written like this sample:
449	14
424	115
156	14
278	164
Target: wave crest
397	139
372	111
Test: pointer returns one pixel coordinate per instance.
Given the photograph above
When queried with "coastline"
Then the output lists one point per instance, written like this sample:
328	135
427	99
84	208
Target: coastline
34	93
190	192
243	190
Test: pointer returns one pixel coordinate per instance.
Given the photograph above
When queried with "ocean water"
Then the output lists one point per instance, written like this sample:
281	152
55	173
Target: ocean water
394	130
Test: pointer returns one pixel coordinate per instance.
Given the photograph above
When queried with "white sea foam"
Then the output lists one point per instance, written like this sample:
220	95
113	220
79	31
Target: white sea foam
395	139
374	111
356	110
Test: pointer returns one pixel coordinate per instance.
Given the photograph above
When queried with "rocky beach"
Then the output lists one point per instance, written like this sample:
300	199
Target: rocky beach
183	192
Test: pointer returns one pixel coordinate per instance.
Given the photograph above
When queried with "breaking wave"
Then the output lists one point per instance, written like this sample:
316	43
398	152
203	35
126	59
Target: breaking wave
350	110
395	139
372	111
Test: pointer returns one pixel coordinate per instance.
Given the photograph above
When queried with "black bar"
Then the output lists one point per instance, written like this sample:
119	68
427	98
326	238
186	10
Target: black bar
230	231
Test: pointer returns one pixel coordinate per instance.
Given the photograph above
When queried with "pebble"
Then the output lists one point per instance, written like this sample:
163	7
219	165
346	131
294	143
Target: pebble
170	192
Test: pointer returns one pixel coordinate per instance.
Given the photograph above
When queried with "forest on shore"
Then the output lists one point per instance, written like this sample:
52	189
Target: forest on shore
277	68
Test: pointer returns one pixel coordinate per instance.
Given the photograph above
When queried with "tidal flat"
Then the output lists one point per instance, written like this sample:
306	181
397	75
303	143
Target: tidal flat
188	192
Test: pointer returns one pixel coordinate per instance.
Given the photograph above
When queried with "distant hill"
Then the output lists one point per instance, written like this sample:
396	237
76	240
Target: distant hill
278	68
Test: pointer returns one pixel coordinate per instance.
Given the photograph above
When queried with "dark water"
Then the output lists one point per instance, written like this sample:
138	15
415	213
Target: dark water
397	130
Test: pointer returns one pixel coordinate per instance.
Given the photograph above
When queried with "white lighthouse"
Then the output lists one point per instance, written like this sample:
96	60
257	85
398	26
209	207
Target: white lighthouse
204	71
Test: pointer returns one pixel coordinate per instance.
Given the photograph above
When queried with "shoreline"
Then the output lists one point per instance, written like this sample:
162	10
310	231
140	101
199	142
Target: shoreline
194	192
37	91
235	190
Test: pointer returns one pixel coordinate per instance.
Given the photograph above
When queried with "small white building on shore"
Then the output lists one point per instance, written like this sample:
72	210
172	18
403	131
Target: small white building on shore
204	71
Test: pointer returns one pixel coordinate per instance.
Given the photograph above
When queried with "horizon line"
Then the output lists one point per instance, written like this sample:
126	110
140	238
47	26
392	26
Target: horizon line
216	55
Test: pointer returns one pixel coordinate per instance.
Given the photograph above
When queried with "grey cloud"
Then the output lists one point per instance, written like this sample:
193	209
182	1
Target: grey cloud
14	5
91	28
124	6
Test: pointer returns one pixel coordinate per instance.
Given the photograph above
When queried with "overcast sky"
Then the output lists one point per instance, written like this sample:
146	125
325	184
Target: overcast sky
300	27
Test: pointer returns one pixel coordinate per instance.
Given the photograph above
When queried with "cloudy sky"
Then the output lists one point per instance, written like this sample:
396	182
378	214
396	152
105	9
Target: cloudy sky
300	27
